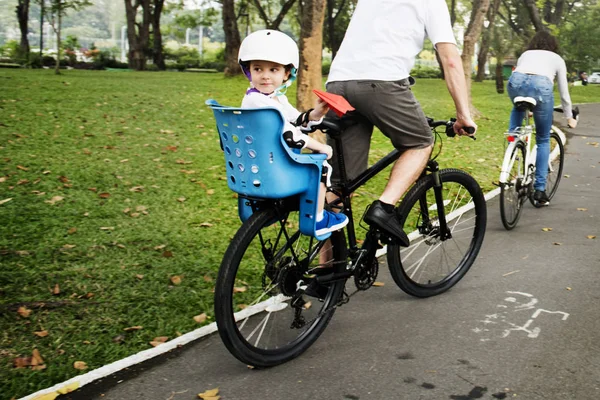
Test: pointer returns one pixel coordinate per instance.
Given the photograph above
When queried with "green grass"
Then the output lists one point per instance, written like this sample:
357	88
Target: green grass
136	160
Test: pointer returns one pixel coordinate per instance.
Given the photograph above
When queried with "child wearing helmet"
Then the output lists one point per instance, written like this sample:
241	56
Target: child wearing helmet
270	60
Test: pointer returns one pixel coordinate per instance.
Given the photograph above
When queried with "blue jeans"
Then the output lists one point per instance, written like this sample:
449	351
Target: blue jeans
541	89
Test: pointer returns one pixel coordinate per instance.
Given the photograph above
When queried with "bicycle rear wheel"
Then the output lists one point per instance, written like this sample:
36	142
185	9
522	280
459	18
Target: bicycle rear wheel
432	264
555	166
512	193
263	315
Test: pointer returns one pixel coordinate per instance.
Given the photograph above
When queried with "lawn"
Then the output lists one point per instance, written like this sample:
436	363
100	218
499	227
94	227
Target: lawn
115	210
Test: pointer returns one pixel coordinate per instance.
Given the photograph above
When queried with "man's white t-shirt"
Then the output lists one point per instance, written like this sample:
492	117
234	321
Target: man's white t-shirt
385	36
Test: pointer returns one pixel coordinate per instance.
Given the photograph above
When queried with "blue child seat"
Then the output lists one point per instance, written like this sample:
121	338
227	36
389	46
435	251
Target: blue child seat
260	165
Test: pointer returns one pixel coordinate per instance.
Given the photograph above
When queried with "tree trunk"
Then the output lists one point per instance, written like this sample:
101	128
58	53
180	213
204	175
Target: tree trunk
157	54
331	17
138	34
480	8
42	31
23	18
485	41
534	14
499	77
232	39
58	46
310	76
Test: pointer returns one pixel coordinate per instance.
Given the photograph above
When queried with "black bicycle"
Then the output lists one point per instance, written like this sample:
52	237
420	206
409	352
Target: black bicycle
277	289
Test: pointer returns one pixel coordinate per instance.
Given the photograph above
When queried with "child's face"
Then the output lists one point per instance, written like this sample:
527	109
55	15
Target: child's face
267	76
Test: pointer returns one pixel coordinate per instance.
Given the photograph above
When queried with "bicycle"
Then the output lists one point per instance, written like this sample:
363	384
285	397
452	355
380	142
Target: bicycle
518	166
278	286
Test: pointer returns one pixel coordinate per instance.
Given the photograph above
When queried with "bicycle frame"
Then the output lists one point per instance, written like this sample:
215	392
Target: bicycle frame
523	135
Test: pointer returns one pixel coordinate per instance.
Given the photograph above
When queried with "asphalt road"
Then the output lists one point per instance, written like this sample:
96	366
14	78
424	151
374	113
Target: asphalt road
522	324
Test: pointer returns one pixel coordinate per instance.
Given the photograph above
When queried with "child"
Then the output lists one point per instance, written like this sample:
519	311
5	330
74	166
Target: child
270	60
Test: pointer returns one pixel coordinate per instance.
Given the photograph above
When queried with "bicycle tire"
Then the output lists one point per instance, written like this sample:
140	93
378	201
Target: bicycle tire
245	263
430	265
512	195
555	167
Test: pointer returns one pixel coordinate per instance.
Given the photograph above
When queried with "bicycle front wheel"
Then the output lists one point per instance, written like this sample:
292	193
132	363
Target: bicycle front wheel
264	316
512	193
433	263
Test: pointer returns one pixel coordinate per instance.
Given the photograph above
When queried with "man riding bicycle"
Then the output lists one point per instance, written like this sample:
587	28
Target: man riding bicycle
371	70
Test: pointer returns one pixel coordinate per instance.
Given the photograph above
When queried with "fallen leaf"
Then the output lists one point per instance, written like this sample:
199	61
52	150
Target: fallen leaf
206	224
55	200
557	243
207	278
41	333
56	290
125	211
567	176
181	199
210	394
546	229
591	236
133	328
171	148
24	311
124	161
159	340
210	192
582	209
22	362
160	247
137	189
22	168
107	228
140	276
72	231
63	179
240	289
200	318
80	365
167	254
176	280
36	358
5	201
69	246
378	284
2	179
568	288
104	195
183	162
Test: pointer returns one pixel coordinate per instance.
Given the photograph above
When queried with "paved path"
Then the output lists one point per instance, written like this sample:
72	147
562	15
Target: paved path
522	324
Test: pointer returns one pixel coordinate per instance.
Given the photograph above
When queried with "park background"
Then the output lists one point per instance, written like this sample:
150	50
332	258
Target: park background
113	197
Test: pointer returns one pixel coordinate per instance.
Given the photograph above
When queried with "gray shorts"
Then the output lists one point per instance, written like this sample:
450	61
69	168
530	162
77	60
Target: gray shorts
388	105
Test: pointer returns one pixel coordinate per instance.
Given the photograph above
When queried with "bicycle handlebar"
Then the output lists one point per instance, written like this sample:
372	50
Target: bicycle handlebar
450	127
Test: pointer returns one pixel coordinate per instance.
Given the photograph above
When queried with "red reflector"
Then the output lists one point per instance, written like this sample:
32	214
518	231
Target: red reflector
510	138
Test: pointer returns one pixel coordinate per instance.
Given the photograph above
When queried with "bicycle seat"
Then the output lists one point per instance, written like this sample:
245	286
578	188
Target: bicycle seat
524	103
259	165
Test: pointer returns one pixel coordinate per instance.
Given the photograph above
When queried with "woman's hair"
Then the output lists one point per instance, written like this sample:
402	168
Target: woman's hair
543	40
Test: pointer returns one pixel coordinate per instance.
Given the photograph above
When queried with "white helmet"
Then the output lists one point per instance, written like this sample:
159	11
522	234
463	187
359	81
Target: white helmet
269	45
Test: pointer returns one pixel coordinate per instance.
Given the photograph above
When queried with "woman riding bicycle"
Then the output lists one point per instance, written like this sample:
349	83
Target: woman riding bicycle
534	77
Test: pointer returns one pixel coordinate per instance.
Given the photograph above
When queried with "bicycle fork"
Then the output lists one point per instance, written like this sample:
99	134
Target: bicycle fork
444	232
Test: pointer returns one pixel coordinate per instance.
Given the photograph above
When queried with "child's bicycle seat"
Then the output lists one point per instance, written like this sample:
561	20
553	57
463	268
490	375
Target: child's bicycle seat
261	166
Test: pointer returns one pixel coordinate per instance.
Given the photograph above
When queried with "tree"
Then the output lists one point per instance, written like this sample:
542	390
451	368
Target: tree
23	18
480	8
273	23
58	9
232	38
485	41
534	14
157	53
312	14
337	18
138	33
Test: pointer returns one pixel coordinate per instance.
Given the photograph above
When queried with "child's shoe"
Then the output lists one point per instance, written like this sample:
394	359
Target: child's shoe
331	222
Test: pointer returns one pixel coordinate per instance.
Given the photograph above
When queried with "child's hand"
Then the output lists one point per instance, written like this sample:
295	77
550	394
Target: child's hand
328	151
319	111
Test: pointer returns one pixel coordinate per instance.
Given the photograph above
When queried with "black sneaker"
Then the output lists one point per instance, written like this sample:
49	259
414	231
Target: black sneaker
387	222
541	198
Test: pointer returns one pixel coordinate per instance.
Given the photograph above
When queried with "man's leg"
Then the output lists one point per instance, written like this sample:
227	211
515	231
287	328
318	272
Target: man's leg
404	173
